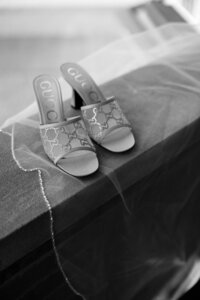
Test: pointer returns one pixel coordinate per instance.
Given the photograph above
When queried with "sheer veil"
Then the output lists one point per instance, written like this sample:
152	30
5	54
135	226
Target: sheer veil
174	46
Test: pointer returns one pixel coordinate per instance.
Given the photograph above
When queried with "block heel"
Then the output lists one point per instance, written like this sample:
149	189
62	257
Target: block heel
76	101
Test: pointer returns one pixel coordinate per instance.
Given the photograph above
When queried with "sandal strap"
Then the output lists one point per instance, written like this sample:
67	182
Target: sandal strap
60	139
103	117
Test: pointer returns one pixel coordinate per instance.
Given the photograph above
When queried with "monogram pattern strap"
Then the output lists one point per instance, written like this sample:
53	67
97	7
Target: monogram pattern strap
59	139
102	118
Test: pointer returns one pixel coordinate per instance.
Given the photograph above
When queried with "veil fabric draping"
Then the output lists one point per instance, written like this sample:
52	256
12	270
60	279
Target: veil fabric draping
173	47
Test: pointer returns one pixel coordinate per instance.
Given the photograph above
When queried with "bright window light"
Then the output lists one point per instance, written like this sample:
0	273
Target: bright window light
69	3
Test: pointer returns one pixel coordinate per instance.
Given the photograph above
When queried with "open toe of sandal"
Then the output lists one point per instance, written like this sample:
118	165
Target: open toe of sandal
108	126
68	145
119	140
79	163
66	142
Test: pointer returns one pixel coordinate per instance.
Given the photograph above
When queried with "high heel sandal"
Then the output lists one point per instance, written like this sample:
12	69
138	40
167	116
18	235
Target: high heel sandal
66	142
104	119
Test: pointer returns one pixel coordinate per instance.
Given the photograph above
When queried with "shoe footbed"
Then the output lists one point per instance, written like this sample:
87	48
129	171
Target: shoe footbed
82	83
119	140
79	163
49	99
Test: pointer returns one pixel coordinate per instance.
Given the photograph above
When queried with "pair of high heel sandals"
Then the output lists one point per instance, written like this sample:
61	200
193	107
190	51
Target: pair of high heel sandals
67	141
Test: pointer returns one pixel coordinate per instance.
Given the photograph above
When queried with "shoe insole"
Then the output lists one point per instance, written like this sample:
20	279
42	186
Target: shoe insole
48	94
119	140
82	83
79	163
